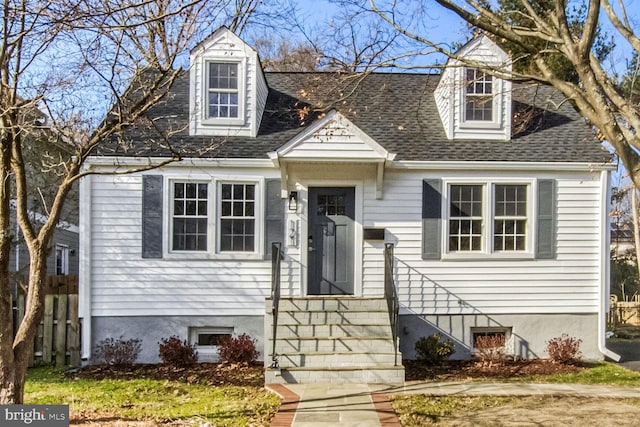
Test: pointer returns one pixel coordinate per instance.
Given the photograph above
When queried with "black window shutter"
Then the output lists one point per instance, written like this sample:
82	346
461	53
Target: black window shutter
274	212
546	238
152	216
431	218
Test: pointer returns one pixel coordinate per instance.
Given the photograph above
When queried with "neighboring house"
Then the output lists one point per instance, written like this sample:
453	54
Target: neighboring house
622	240
42	146
63	253
494	198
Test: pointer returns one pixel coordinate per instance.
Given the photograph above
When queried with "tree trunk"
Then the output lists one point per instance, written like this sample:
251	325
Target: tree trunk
9	389
24	338
636	226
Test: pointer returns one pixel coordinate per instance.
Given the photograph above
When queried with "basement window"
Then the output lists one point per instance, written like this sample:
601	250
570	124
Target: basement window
207	341
490	343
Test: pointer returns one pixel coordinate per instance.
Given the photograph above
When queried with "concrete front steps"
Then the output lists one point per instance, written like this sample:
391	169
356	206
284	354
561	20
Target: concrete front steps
332	339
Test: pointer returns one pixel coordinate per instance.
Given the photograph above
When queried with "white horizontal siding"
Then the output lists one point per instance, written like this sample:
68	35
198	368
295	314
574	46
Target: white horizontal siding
125	284
569	283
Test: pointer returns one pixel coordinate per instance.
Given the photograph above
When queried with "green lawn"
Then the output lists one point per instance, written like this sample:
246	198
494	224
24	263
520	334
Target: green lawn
602	373
144	399
153	400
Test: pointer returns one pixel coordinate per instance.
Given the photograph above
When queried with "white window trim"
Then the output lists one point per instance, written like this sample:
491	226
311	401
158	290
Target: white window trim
213	223
498	98
487	251
204	92
65	259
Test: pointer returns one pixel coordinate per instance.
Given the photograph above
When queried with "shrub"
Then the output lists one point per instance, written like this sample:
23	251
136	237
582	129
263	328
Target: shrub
564	349
178	353
237	349
118	352
430	349
490	348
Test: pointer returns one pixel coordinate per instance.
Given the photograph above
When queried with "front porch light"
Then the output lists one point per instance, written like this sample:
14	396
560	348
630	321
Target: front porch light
293	201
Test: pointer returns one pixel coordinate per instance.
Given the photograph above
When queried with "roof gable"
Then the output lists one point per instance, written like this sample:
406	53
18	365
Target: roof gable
333	137
222	39
483	49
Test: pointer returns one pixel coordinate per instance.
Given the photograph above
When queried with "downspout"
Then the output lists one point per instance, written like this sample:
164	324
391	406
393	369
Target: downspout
84	273
605	262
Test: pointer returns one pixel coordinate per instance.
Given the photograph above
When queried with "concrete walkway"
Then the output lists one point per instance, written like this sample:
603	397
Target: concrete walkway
368	405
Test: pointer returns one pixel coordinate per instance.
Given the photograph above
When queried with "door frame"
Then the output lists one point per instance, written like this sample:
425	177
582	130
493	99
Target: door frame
357	232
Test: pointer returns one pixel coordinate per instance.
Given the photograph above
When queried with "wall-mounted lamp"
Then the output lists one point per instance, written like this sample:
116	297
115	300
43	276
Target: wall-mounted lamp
293	201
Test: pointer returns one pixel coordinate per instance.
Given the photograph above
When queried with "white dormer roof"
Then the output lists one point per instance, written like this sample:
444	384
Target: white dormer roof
224	47
452	98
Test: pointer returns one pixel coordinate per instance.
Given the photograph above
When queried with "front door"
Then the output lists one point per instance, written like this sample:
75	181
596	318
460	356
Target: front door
331	240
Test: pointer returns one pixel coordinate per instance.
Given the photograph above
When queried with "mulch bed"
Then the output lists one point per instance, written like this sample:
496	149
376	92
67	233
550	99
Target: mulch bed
461	370
218	374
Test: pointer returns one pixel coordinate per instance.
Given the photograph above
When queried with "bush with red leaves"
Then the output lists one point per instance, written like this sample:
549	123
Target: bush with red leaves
237	349
118	352
564	349
178	353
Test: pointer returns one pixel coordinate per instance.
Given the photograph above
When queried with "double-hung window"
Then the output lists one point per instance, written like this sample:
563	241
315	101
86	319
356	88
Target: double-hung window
465	218
214	217
237	217
189	216
510	218
223	96
488	218
478	105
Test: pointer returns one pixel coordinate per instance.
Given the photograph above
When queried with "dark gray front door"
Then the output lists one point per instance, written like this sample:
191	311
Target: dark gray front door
331	235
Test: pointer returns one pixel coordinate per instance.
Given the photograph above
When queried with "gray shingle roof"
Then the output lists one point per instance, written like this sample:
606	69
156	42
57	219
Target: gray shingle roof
397	110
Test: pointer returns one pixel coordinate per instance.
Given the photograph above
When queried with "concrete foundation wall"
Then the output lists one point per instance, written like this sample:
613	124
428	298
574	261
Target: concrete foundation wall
152	329
527	335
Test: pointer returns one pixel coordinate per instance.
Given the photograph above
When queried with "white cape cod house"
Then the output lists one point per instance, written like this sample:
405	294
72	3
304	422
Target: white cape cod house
476	207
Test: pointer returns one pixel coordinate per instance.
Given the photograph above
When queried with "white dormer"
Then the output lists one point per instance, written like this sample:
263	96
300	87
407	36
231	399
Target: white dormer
228	90
474	104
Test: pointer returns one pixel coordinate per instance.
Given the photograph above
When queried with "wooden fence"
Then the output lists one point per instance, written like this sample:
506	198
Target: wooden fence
624	313
58	338
59	285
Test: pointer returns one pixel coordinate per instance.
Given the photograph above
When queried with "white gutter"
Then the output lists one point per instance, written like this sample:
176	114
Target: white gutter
113	161
492	166
605	260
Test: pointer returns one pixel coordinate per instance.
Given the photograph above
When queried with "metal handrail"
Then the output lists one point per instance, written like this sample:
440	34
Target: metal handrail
276	258
391	296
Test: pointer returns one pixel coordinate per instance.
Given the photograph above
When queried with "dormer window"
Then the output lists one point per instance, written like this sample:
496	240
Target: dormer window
223	93
227	89
475	105
478	96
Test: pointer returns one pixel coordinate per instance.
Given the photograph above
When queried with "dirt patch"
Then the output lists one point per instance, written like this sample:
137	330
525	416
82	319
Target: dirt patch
460	370
551	411
215	374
